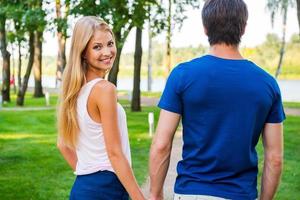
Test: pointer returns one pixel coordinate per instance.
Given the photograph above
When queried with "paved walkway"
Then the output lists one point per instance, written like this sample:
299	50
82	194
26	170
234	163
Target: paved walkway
292	111
172	172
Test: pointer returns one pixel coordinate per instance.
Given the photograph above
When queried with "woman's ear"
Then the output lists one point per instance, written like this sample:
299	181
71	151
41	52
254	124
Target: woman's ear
83	55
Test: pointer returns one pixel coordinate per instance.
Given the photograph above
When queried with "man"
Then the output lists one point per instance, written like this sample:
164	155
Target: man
225	103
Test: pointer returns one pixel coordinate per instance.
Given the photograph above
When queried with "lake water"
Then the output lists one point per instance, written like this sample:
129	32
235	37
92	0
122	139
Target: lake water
290	89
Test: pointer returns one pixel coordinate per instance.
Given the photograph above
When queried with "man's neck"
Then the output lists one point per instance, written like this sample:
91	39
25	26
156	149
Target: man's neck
225	51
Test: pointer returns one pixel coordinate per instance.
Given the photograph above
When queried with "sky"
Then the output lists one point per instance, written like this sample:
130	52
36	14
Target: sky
192	34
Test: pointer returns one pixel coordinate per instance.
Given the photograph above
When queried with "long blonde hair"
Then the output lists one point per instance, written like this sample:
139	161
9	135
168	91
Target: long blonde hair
74	78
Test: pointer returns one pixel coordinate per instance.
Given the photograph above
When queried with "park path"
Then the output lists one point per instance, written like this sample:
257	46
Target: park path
172	172
152	101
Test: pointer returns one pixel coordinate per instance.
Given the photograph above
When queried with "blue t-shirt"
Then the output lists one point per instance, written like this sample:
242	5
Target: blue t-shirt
224	106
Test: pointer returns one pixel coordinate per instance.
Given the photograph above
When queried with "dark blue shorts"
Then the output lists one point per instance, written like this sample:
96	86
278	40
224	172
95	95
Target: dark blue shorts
102	185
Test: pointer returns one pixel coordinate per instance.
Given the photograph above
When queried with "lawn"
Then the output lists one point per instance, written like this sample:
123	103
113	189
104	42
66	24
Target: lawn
291	104
32	102
290	182
32	168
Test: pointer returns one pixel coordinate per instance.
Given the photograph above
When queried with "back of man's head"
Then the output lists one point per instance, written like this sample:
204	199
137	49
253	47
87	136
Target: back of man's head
224	21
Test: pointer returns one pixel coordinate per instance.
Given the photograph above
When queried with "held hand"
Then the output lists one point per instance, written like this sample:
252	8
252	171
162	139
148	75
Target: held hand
155	197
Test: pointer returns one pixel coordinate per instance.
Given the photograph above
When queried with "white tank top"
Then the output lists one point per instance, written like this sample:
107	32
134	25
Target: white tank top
91	152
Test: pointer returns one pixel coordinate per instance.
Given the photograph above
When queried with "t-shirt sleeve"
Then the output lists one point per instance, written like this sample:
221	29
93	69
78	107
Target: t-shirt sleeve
276	113
171	99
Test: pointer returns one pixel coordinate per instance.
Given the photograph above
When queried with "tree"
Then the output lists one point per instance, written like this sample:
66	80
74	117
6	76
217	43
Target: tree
149	65
34	24
169	35
136	93
140	15
38	47
177	18
61	26
22	90
18	34
5	54
282	6
298	14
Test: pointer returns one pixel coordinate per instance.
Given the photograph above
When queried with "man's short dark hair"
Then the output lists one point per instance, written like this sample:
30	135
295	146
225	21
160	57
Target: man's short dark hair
224	21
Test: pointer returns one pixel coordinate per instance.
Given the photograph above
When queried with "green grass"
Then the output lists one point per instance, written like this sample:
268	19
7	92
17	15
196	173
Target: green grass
143	94
31	167
290	182
30	101
291	104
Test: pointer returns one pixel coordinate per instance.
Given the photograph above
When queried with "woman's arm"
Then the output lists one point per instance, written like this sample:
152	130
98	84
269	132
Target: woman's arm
106	99
68	154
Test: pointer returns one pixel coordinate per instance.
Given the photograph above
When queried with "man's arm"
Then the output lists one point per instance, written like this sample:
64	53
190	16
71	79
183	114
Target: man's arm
273	161
160	152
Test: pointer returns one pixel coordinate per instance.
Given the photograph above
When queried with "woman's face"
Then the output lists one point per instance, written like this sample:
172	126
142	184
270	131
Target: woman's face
101	51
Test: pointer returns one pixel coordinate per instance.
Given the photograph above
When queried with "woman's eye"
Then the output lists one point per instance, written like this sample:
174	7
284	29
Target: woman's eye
97	47
111	43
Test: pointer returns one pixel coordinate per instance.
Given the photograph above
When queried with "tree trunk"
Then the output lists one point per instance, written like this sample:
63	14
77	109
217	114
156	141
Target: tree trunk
149	55
298	14
61	56
113	74
169	35
136	93
6	61
19	65
61	37
282	49
22	90
37	65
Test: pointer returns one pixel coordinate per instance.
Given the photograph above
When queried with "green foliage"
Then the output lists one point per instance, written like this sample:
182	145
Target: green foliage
34	19
122	15
116	13
178	55
266	56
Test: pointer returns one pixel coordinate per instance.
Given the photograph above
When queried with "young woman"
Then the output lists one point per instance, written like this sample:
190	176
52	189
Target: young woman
93	136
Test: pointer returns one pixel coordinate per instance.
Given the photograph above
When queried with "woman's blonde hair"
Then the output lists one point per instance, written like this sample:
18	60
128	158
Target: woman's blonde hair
74	78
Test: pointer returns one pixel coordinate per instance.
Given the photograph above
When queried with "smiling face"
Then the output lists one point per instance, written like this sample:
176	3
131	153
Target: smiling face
100	52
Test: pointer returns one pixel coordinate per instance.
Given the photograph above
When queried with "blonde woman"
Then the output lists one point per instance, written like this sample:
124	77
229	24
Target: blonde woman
93	136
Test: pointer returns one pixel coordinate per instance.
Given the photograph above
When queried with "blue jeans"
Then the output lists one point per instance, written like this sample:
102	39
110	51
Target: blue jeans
102	185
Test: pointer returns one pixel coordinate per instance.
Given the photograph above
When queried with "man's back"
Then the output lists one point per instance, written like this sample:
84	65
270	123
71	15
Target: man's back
224	105
225	102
